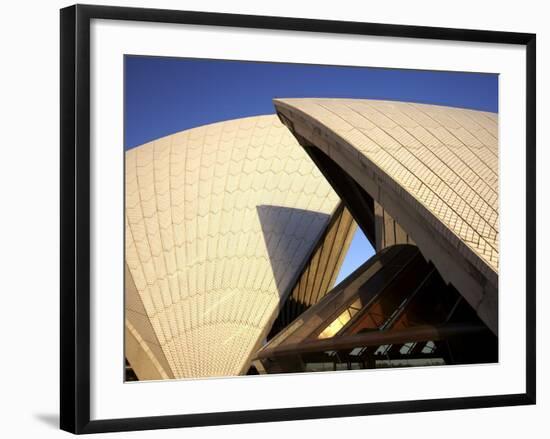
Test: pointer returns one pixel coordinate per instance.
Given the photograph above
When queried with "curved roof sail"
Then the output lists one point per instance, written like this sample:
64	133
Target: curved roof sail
434	169
220	221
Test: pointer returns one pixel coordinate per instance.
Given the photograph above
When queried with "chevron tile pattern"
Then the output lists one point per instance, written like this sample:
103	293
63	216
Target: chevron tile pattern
445	158
220	220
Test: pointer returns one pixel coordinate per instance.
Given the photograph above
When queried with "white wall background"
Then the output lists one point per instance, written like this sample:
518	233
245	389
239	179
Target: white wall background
29	238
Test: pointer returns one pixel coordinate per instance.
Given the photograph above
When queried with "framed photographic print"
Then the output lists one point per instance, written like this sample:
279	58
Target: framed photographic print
285	218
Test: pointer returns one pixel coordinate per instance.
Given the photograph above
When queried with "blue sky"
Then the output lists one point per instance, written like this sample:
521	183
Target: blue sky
167	95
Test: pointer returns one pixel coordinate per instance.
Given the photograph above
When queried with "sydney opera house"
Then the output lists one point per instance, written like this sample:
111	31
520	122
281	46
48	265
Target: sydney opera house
236	232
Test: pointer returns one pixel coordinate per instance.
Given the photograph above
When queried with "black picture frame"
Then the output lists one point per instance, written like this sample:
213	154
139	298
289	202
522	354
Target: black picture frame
75	217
